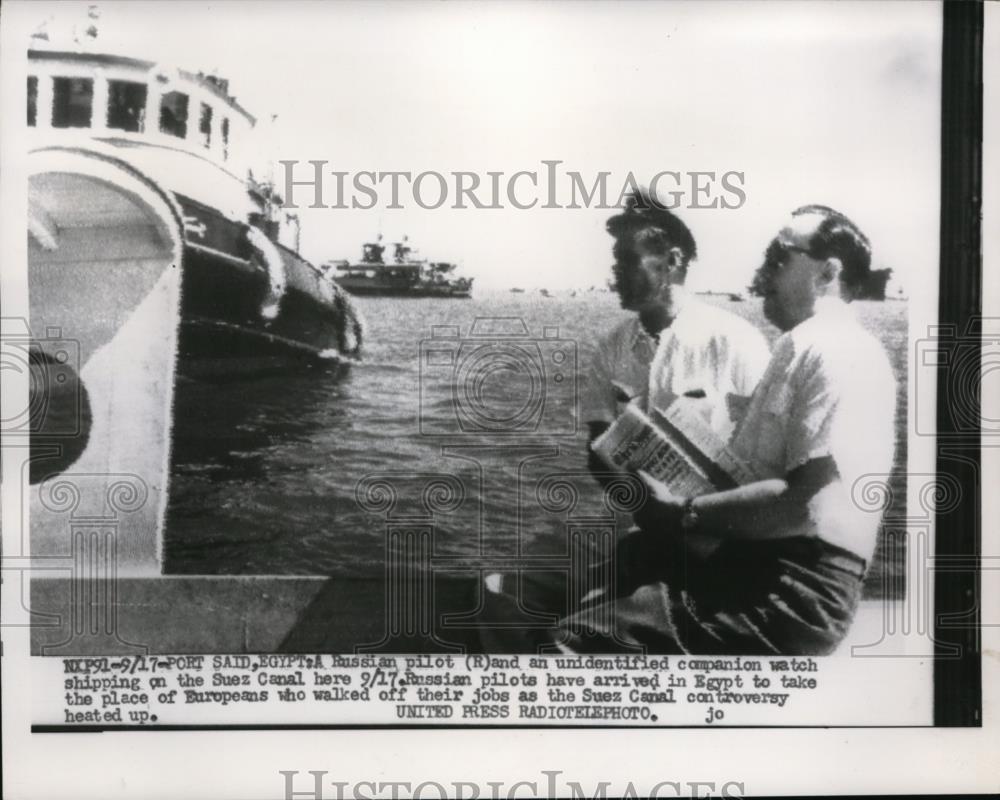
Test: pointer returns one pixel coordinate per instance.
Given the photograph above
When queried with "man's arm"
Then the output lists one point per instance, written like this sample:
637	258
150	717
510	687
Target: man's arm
602	401
597	467
768	509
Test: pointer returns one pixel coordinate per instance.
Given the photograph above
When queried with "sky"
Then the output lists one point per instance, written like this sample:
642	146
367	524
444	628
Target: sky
812	102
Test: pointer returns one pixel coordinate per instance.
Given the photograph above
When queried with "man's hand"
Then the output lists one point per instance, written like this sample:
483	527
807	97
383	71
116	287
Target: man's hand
597	467
663	509
663	512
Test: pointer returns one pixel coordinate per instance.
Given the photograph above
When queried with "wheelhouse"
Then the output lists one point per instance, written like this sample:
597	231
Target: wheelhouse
124	98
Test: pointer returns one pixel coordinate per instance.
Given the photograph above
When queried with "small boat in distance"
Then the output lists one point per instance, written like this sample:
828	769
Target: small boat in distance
516	290
405	276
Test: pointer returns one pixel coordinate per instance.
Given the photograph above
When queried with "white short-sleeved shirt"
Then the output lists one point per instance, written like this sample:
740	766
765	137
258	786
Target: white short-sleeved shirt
828	391
710	352
623	356
705	350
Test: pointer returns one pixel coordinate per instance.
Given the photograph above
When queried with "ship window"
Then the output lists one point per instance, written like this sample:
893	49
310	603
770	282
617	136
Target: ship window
225	138
205	125
127	106
72	102
32	99
174	114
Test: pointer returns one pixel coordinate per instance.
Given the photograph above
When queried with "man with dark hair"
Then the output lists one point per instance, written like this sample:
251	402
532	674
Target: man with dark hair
836	236
795	544
675	345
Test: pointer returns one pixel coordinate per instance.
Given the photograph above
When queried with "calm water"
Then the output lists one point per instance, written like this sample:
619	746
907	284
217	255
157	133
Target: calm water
266	470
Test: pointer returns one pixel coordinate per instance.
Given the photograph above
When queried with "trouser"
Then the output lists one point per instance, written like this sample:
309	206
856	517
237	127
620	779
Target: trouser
793	596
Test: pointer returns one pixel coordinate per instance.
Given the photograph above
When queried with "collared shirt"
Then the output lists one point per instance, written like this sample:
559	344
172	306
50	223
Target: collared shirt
828	391
706	352
711	356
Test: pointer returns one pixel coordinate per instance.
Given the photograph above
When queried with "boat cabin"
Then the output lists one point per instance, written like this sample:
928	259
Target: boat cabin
371	253
182	129
105	95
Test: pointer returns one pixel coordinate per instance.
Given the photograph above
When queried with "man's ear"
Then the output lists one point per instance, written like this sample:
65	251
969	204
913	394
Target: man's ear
675	259
829	272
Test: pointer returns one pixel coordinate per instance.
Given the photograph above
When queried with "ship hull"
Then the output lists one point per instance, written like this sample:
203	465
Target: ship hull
104	246
244	299
364	290
232	315
402	278
130	287
408	284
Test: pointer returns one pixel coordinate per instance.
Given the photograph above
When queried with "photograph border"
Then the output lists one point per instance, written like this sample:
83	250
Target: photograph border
957	560
958	540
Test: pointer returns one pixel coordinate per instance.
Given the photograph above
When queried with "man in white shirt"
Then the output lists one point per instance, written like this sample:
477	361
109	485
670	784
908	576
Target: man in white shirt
819	428
674	345
822	419
795	545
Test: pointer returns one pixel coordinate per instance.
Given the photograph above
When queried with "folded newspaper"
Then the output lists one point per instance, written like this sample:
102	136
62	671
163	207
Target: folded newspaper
675	446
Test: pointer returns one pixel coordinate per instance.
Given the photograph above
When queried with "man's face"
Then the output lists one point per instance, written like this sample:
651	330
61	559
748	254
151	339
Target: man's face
789	276
640	274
